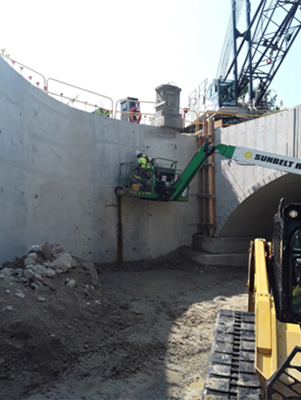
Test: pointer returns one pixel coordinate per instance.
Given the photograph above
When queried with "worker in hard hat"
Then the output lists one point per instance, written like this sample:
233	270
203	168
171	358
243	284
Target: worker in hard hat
144	165
144	161
135	114
102	111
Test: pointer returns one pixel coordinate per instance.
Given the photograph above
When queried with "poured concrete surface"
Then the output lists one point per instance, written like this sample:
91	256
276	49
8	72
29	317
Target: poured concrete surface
59	167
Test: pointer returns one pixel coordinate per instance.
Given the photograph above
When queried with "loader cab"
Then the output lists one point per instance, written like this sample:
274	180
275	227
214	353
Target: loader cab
296	272
285	271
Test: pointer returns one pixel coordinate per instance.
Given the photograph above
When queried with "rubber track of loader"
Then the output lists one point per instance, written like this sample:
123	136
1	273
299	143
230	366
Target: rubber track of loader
231	368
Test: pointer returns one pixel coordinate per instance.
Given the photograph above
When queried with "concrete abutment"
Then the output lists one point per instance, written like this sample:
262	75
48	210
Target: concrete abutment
59	168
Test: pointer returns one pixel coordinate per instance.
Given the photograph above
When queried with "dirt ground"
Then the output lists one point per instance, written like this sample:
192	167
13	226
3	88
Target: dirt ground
141	331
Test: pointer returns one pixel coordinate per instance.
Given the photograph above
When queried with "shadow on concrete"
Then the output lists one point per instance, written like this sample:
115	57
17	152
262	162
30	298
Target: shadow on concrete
255	216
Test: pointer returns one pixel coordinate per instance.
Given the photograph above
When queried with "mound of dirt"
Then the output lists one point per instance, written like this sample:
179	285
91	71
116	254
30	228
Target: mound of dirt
50	304
142	331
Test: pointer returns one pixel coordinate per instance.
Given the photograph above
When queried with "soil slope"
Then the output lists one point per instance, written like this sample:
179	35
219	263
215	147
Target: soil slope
141	331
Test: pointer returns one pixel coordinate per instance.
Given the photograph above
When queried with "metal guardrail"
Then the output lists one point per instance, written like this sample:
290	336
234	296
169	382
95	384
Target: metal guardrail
108	107
211	113
43	84
25	68
203	115
188	121
75	99
143	114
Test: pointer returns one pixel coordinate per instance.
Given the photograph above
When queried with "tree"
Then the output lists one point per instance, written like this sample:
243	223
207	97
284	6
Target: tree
271	97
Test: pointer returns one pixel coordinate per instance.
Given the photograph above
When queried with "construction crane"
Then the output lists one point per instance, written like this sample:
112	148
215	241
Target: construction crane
258	53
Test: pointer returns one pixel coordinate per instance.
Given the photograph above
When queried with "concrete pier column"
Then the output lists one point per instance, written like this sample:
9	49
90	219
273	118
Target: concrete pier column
168	107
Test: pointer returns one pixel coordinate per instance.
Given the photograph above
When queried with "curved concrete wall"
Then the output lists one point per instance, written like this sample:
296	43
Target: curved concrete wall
247	197
58	170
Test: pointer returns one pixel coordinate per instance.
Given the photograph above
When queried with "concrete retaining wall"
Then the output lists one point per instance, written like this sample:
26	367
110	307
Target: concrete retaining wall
58	170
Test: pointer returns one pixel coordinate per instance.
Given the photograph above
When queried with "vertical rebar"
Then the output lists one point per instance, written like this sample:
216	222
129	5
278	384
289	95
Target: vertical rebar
119	231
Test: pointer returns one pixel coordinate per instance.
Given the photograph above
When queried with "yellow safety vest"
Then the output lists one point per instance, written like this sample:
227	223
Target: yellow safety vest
143	162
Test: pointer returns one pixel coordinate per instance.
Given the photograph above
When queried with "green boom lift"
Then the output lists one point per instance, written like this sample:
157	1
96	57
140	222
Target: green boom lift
164	182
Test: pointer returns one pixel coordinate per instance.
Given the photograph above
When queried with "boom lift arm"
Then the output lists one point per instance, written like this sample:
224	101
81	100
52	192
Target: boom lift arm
241	155
164	186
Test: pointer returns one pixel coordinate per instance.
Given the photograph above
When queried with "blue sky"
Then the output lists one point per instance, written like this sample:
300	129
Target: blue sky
121	49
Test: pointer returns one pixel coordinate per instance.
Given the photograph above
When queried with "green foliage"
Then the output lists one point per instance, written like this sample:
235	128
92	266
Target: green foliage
271	97
152	121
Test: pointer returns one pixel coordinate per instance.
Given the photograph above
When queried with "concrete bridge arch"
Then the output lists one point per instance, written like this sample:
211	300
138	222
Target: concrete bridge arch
244	189
247	197
253	215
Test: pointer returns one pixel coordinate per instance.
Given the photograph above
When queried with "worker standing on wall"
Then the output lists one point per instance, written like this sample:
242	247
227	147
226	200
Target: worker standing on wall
102	111
135	114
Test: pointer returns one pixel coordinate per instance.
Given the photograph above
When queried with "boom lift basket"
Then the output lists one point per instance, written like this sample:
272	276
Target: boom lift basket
154	183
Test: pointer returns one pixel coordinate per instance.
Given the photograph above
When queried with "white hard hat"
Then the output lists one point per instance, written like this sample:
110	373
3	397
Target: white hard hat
137	152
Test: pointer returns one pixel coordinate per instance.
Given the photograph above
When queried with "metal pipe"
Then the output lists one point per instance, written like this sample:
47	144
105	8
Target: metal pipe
234	42
248	13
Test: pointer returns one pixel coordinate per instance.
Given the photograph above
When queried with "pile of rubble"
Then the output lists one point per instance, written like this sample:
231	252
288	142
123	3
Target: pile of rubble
42	262
52	307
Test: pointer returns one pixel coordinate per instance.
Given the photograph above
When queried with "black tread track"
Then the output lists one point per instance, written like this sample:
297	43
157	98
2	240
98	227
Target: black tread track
231	368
